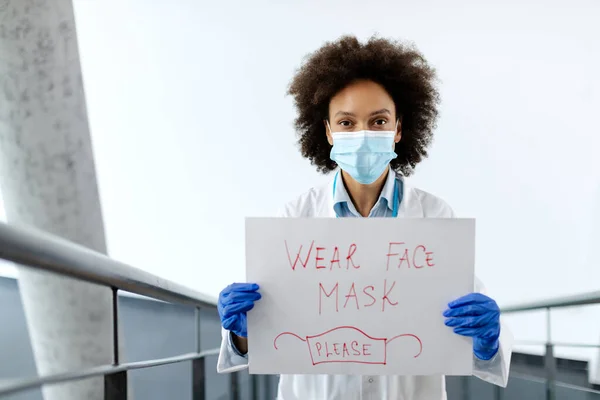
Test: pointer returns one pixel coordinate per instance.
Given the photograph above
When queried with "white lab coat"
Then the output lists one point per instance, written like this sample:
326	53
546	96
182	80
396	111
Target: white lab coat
318	202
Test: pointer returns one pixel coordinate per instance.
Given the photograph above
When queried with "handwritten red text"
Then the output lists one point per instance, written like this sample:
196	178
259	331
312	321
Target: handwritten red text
417	258
353	300
319	255
342	349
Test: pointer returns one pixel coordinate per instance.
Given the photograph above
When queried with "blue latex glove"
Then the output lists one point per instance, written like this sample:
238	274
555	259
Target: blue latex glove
234	301
477	316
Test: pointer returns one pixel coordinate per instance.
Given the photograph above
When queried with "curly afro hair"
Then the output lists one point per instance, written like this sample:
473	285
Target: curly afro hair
399	68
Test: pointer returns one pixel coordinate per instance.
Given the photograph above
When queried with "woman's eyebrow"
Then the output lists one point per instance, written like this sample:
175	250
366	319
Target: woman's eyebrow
382	111
345	113
349	114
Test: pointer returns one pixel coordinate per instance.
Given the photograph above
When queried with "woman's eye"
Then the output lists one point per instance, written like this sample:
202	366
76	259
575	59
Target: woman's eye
380	122
345	123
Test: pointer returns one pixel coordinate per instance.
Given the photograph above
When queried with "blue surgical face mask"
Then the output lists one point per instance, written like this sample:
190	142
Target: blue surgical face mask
365	154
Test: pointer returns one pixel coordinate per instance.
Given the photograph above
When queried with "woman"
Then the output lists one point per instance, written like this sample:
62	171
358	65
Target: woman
367	112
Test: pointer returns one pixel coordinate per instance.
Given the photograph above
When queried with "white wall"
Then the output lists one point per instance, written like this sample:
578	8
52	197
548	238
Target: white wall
193	132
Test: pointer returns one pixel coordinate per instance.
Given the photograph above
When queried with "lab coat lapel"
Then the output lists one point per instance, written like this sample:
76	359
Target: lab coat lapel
410	206
328	210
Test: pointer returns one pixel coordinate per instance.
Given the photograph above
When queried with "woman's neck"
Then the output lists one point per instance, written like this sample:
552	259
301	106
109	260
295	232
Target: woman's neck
364	197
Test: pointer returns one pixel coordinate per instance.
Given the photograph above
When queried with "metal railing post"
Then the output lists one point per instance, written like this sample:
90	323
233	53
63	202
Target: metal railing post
550	361
497	393
198	366
115	384
235	386
254	387
464	388
268	387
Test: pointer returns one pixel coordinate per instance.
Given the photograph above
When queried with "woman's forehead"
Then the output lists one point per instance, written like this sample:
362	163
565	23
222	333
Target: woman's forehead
362	98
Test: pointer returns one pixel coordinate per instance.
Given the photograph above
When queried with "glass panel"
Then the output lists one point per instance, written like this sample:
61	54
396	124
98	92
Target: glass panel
518	388
14	341
218	386
244	385
566	393
521	388
535	388
479	389
153	330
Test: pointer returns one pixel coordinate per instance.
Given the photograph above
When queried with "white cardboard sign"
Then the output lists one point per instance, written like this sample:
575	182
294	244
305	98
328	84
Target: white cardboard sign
358	296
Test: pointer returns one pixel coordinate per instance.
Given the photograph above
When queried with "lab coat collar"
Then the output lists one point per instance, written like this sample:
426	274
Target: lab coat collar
341	194
410	206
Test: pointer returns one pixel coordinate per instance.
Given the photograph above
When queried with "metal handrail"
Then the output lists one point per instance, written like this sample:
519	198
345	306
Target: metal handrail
556	344
19	385
36	249
559	384
559	302
583	299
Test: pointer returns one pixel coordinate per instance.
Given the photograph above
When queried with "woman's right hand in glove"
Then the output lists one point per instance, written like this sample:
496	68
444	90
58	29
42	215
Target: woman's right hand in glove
234	302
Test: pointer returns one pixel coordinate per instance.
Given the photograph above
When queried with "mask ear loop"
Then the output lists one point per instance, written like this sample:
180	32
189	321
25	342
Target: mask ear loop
395	133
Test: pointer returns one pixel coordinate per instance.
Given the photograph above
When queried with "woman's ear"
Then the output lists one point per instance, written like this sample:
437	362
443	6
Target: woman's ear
328	132
398	135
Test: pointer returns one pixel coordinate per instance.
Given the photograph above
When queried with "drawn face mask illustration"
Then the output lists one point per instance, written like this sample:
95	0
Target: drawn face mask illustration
347	344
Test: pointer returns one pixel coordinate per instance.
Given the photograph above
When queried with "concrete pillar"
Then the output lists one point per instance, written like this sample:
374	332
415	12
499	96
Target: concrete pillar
48	180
